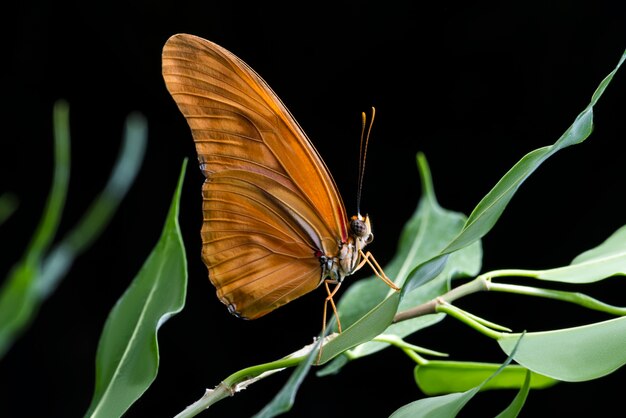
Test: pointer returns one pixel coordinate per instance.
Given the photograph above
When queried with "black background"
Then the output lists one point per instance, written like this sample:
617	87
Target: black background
475	86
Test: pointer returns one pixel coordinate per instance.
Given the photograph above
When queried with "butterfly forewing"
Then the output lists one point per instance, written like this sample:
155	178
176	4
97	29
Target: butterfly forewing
270	206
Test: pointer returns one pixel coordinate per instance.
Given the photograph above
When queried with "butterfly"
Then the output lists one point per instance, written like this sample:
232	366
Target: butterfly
274	224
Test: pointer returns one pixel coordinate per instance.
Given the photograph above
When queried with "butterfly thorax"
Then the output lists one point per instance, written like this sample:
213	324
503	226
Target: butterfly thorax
350	252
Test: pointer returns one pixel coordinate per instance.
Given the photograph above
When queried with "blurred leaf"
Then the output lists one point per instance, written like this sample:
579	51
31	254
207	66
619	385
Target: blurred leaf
438	377
606	260
38	274
489	209
18	295
572	354
51	218
101	210
127	360
8	204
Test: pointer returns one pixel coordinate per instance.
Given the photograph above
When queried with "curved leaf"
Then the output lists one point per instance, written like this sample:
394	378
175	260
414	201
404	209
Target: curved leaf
489	209
606	260
513	410
128	358
369	326
446	406
572	354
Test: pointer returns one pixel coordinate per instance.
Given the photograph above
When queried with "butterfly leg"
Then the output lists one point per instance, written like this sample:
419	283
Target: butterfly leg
376	268
329	298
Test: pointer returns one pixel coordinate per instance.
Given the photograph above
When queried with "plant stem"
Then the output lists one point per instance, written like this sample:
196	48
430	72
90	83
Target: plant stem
572	297
479	284
410	349
210	397
242	379
511	273
464	317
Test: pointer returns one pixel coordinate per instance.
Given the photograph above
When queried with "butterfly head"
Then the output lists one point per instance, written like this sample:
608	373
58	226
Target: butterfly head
361	230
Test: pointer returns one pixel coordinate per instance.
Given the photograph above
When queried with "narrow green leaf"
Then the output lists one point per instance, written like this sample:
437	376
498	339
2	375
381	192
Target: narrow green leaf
127	360
366	328
18	296
51	218
513	410
446	406
438	377
572	354
489	209
606	260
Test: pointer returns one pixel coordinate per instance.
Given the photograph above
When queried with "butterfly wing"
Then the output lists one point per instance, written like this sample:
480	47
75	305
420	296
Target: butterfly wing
270	206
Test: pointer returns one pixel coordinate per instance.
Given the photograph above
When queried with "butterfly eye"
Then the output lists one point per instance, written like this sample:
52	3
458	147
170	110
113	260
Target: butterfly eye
359	228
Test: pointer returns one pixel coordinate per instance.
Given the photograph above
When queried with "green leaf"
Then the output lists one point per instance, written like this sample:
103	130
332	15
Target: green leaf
515	407
446	406
366	328
51	218
489	209
438	377
606	260
128	358
18	296
572	354
465	262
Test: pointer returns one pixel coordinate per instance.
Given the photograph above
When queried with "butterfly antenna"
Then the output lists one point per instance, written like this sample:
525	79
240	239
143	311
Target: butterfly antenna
365	137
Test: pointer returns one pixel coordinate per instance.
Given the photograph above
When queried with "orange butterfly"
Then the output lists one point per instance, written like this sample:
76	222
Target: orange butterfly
274	225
